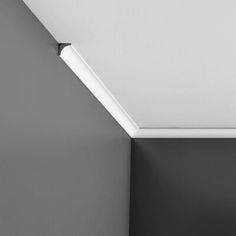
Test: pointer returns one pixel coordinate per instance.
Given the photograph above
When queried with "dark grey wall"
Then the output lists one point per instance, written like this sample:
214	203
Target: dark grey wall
64	161
183	187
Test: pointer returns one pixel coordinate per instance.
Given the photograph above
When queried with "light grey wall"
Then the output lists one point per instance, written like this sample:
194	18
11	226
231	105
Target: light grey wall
64	161
183	187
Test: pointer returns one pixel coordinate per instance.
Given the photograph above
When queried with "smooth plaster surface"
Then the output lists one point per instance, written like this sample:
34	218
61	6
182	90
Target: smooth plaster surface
183	187
169	63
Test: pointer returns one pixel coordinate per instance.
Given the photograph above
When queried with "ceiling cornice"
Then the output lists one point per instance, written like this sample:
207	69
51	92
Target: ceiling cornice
185	133
85	73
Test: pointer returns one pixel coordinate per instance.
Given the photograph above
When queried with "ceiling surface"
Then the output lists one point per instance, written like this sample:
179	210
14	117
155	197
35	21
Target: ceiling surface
169	63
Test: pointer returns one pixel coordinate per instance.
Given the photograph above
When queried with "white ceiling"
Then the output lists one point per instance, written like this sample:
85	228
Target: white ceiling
168	63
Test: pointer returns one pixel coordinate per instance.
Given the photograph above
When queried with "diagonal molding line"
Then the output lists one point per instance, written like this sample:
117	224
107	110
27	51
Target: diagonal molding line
85	73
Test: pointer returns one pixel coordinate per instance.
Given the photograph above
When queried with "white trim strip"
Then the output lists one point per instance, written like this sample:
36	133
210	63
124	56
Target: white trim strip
83	71
185	133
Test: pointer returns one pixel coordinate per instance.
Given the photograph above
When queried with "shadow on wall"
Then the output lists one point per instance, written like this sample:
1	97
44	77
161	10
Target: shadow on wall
183	187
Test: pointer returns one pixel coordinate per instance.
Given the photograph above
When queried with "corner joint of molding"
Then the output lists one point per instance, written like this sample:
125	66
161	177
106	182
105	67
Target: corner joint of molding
61	46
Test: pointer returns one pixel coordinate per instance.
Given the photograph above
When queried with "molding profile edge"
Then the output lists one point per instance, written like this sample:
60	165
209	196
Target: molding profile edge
61	46
185	133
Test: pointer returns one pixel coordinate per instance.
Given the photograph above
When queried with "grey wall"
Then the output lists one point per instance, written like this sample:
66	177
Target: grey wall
183	187
64	161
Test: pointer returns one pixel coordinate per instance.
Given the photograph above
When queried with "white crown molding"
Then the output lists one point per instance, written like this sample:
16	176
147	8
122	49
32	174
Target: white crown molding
85	73
185	133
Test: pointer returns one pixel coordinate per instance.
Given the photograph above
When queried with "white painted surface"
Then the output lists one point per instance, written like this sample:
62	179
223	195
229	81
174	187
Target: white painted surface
98	89
185	133
168	63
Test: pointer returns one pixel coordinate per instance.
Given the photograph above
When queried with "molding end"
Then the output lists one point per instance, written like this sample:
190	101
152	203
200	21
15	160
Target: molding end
61	46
